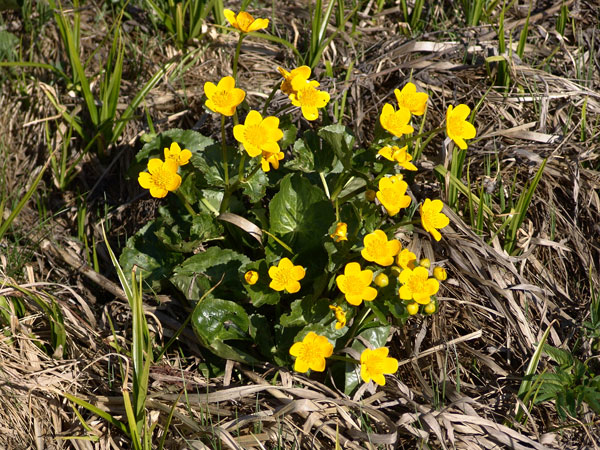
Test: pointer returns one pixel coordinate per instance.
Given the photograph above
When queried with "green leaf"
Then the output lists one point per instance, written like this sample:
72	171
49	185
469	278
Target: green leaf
260	332
185	233
216	319
300	215
341	140
303	160
377	337
256	188
153	260
200	272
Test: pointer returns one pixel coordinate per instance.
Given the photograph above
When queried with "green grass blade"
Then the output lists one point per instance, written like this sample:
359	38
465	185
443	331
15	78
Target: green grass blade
99	412
464	189
521	210
526	384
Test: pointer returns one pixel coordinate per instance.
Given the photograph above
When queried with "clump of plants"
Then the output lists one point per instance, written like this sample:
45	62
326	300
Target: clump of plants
284	243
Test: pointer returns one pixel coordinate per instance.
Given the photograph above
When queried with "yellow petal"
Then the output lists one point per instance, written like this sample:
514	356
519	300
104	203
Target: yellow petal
157	192
154	165
253	118
226	84
209	89
230	16
258	24
145	180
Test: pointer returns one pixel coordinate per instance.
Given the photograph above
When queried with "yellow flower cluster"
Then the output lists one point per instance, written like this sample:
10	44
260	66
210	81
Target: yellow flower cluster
303	92
162	176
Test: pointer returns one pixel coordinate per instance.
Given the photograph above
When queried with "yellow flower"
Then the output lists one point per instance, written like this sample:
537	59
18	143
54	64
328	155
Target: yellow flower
259	135
392	194
244	21
375	363
163	177
340	316
251	277
272	159
379	250
396	122
286	276
408	97
432	217
311	353
181	157
286	85
406	258
400	155
440	274
340	233
355	284
224	97
417	286
457	127
424	262
308	97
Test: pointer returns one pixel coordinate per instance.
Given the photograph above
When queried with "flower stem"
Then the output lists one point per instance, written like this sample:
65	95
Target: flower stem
188	207
237	55
224	148
270	97
358	321
279	241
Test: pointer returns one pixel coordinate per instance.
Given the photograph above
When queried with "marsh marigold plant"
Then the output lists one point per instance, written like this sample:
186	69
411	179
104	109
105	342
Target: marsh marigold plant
161	178
258	135
174	152
286	276
311	353
392	194
396	122
432	217
379	250
306	95
355	284
409	98
286	87
224	97
457	127
398	155
374	364
417	286
244	21
340	316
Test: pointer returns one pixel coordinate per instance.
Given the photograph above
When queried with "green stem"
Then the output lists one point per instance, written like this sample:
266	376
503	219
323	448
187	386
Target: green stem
224	148
270	97
279	241
355	192
188	207
358	321
238	48
241	169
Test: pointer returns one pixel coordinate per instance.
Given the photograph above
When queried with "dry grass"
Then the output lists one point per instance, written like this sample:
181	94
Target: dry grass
460	369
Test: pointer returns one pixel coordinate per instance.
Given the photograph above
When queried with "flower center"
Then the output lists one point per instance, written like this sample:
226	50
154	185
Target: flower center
308	96
377	249
375	365
282	277
417	284
353	285
255	135
390	196
308	353
162	177
221	99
